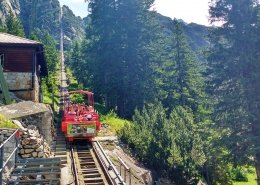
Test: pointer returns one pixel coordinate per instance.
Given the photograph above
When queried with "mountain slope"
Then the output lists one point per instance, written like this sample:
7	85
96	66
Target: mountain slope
44	15
196	34
6	6
73	27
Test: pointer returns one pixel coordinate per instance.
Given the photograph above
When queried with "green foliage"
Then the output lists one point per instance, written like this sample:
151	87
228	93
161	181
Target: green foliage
2	27
5	123
50	83
238	174
250	175
179	78
171	145
77	98
116	124
127	60
71	80
234	79
14	26
115	56
101	108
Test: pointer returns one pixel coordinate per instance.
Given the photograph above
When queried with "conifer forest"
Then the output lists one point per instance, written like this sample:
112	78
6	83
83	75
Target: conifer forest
193	105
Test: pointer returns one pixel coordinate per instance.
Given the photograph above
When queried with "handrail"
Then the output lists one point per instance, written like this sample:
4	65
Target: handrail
9	137
111	164
14	153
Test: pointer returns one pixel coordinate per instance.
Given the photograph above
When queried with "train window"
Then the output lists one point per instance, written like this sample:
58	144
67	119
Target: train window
2	59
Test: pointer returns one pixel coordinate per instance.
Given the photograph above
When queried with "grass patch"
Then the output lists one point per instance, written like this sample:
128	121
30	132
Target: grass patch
72	81
251	175
5	123
115	123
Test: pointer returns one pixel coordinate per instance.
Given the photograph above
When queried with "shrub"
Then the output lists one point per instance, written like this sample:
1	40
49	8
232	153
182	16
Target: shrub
5	123
238	174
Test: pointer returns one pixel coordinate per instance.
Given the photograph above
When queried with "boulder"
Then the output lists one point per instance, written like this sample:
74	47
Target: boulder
40	154
35	154
26	141
22	151
26	155
28	151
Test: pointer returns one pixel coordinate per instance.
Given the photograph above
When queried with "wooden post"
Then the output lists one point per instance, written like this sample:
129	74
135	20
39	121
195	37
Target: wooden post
4	87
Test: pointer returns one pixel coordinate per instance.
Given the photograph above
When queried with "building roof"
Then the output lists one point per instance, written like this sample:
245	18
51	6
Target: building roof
6	38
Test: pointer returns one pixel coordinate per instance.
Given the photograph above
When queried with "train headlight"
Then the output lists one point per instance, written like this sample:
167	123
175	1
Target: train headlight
89	116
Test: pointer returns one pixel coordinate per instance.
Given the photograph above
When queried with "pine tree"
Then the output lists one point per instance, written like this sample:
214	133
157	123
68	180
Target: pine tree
235	71
171	145
50	83
179	77
117	52
14	26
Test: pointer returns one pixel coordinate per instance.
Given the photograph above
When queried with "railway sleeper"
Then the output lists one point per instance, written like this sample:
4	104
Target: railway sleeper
86	158
85	155
83	152
88	166
82	163
91	175
91	180
92	170
97	183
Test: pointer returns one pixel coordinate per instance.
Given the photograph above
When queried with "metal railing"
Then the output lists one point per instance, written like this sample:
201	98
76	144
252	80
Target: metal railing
108	164
8	152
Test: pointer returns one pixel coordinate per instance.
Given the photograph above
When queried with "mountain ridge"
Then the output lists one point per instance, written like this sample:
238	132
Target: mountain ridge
44	15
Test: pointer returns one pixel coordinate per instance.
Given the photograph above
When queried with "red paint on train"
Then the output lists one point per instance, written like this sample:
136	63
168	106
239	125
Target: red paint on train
80	121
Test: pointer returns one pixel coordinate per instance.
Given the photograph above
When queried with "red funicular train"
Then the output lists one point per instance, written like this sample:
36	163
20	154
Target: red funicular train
80	121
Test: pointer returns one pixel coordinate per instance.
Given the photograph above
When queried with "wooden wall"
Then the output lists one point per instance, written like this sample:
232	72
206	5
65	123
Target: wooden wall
18	60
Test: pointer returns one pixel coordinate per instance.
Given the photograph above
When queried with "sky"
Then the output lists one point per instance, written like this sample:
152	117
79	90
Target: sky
188	10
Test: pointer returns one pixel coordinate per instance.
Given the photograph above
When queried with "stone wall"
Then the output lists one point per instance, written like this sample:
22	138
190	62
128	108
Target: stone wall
5	134
23	81
43	122
30	113
33	144
16	80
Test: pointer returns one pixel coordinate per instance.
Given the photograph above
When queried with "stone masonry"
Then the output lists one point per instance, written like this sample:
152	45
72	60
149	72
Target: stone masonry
23	81
33	144
17	80
30	113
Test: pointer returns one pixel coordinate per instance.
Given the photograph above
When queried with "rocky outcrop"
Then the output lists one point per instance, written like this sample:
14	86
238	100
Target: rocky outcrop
33	144
73	27
44	15
6	6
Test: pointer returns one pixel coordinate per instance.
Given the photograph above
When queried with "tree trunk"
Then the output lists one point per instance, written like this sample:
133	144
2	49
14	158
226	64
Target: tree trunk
257	167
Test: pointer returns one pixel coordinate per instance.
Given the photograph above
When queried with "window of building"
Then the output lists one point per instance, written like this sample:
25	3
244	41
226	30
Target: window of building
2	59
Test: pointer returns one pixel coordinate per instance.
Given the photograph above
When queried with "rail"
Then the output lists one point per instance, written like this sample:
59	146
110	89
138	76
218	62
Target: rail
74	168
8	152
108	166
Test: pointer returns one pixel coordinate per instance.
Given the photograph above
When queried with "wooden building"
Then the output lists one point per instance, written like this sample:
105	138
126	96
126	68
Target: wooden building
24	64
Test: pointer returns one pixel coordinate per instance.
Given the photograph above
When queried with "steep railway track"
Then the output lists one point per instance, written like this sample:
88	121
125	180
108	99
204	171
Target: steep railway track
91	166
85	167
88	161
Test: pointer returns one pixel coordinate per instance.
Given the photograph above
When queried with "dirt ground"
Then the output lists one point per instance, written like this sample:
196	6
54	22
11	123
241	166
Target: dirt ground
126	165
